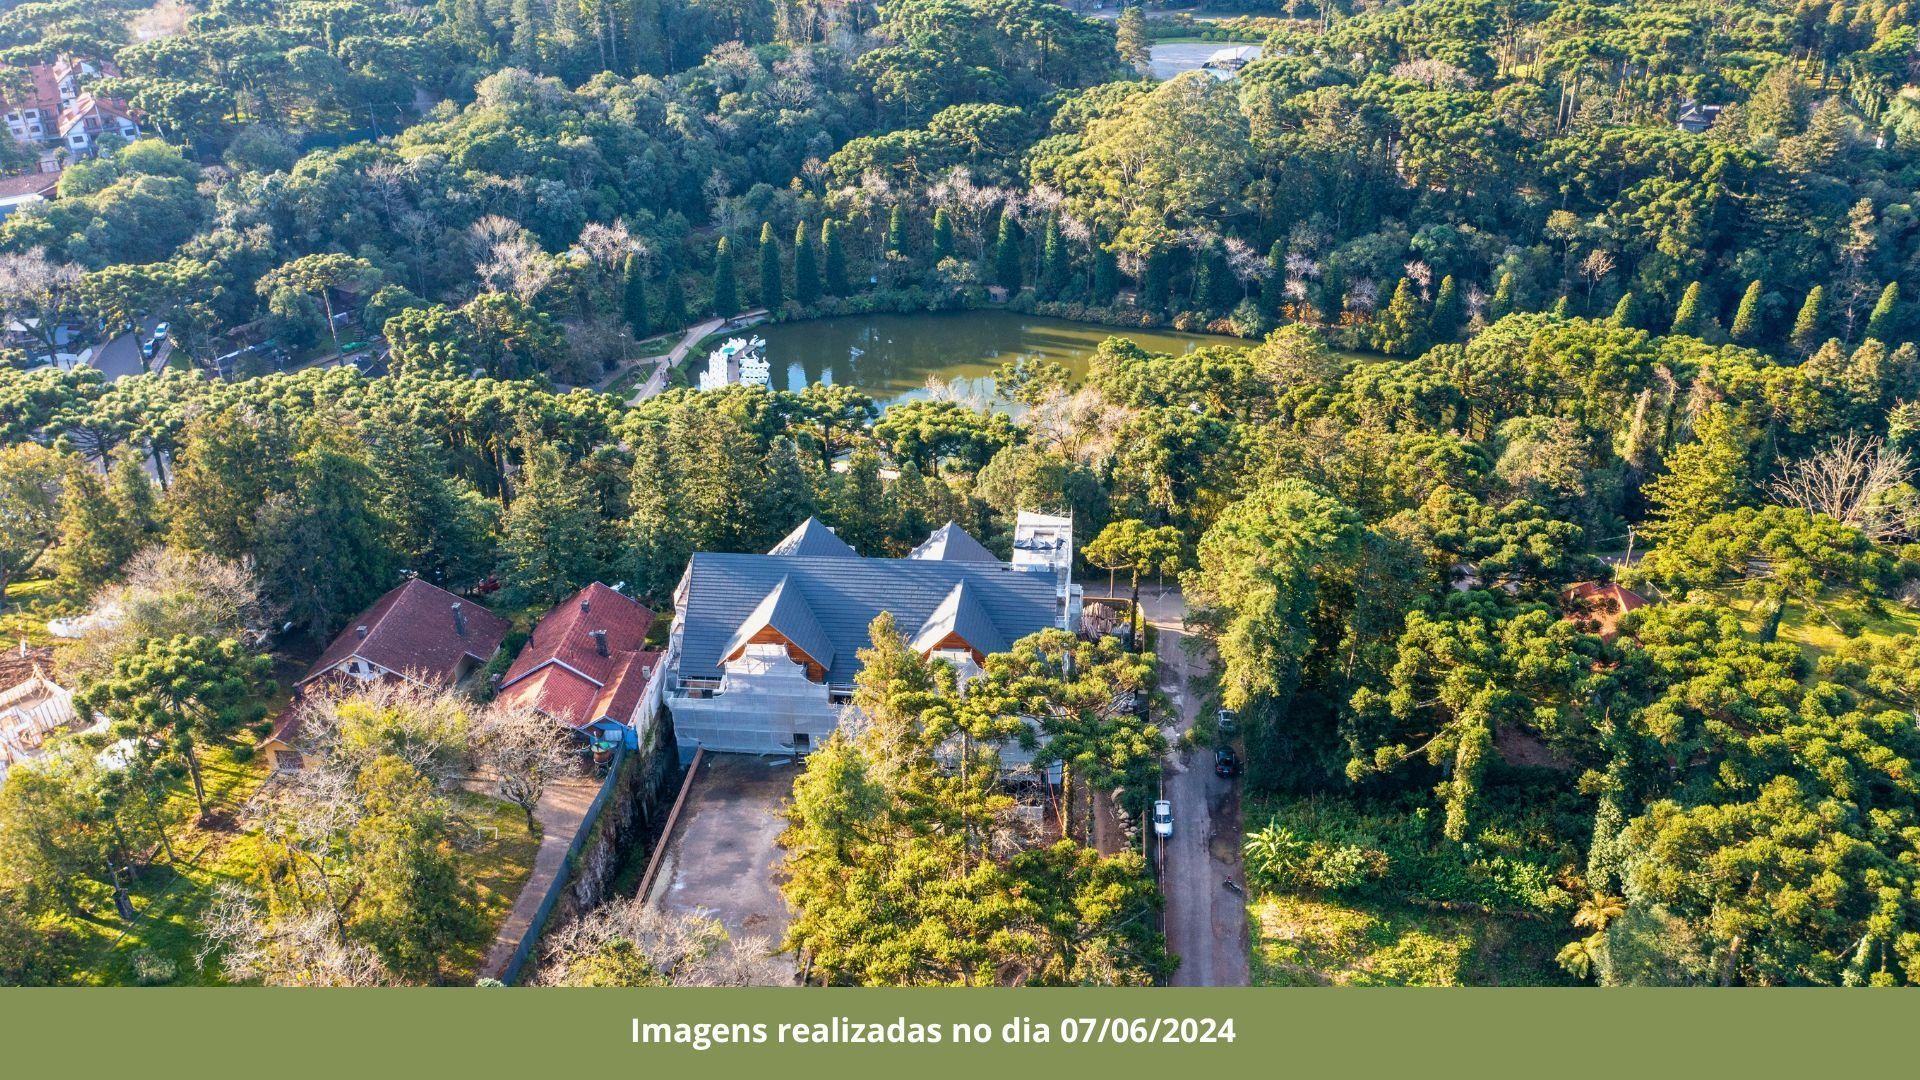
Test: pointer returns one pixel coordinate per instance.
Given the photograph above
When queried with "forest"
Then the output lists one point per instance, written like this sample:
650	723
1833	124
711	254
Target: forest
1512	333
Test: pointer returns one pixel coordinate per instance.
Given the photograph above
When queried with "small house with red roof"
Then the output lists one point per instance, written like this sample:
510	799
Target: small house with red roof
1599	606
417	633
587	666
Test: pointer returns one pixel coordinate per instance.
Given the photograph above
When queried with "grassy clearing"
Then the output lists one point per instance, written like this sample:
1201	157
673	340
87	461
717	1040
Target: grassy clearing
29	605
1840	620
1304	941
498	859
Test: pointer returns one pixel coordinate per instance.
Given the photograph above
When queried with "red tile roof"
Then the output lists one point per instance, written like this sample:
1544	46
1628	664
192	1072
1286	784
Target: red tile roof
1603	604
565	673
412	630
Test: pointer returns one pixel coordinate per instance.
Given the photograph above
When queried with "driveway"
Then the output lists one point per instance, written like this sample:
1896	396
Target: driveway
120	358
1206	923
562	808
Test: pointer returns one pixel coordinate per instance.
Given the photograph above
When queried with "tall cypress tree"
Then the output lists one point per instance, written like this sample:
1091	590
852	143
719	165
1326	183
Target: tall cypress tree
771	288
897	230
1811	322
1746	317
633	299
1687	318
1502	297
675	303
1053	262
1273	289
726	291
1625	316
1883	324
836	258
1401	329
1006	256
806	268
942	236
1447	314
1106	275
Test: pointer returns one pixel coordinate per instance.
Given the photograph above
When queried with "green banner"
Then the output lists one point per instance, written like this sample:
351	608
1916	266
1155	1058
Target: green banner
1176	1034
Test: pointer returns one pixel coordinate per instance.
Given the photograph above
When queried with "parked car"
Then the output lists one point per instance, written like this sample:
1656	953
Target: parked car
160	331
1229	720
147	347
1225	762
1162	818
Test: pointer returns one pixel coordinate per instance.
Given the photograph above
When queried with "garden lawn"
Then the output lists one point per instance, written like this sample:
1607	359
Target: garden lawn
497	856
1818	636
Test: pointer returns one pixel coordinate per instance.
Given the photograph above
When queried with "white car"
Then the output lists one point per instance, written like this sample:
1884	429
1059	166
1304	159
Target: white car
1162	818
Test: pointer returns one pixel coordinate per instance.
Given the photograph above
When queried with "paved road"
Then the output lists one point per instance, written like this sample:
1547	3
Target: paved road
1206	924
562	808
120	358
670	359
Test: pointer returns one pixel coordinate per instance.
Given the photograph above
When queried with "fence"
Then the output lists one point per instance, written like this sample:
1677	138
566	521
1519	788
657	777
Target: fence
565	875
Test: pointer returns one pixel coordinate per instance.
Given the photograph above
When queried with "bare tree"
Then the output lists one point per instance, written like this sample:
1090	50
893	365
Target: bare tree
286	948
37	293
1856	481
167	592
627	943
524	751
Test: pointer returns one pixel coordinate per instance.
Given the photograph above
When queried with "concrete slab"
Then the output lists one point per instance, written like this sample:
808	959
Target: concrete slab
723	854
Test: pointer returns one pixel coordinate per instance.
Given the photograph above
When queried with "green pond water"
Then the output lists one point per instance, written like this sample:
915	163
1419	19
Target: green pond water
892	357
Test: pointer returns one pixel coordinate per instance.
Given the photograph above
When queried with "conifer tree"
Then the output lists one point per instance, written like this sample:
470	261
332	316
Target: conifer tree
1502	304
1106	275
726	291
806	268
1401	329
1007	272
771	288
942	236
634	297
836	258
1053	262
1746	318
1687	317
1447	311
1704	477
675	304
1273	289
897	230
1625	315
1883	324
1810	323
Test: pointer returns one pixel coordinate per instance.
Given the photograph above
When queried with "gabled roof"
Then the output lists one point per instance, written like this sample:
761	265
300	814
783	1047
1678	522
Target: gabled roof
811	537
961	615
843	595
565	635
952	543
413	630
784	611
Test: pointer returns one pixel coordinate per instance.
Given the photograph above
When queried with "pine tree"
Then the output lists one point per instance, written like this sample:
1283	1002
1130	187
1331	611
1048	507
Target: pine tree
1687	318
1447	310
675	304
836	258
1882	325
1811	322
942	236
726	291
1222	291
806	268
1158	281
1746	317
103	522
323	548
634	298
553	540
1106	275
897	229
1053	262
1007	272
1273	289
770	283
1704	477
1625	314
1563	307
1401	329
1502	304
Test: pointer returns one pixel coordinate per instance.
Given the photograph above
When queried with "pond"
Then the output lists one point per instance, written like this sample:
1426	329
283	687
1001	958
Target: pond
1174	57
893	357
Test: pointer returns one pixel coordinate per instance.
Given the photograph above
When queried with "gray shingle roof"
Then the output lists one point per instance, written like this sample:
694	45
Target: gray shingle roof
952	543
786	611
810	537
960	613
726	591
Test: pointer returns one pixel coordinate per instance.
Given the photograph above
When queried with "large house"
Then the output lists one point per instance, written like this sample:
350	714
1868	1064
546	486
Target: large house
765	648
417	633
56	108
587	666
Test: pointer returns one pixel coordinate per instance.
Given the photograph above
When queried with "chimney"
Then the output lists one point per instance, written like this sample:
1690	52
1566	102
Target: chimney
459	620
586	605
600	642
361	630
